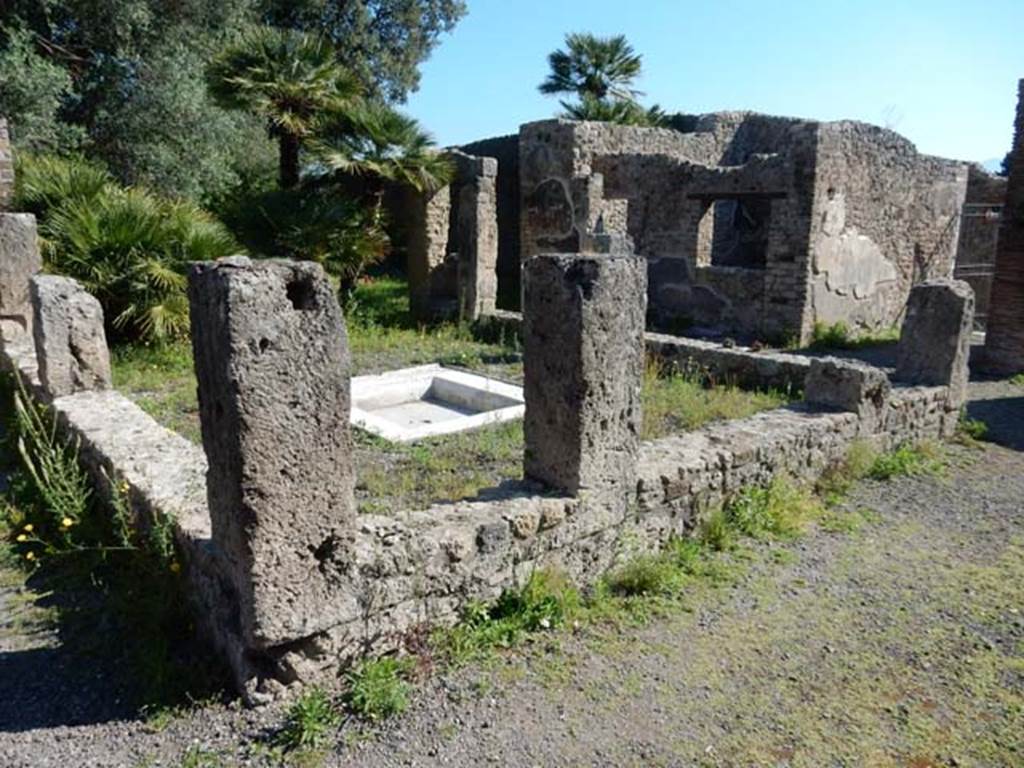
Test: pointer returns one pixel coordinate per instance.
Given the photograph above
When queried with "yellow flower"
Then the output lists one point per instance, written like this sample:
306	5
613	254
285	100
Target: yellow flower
175	567
22	537
28	527
124	486
67	522
30	556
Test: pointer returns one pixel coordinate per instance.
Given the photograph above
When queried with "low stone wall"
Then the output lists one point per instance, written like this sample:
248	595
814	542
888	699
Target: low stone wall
743	366
351	585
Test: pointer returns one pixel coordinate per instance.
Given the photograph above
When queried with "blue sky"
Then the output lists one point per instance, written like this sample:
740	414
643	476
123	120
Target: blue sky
942	73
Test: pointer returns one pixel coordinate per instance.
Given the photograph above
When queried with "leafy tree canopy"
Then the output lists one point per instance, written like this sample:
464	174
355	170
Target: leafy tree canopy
124	80
383	42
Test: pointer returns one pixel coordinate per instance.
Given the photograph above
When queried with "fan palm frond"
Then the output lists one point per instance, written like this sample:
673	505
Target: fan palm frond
596	67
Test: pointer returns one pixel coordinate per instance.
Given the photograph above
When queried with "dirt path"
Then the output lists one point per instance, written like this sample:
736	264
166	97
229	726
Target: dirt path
898	643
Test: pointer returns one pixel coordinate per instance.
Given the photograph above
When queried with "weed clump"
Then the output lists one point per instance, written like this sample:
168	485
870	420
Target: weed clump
547	600
309	721
781	509
907	461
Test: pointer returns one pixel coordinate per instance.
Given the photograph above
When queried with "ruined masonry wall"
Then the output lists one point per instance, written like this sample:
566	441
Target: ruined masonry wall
1004	343
422	566
979	235
885	218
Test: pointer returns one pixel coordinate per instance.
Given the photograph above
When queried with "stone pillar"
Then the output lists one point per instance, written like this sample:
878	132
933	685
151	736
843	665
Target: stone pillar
849	385
429	217
1004	337
19	262
935	341
272	364
6	167
71	346
477	239
583	325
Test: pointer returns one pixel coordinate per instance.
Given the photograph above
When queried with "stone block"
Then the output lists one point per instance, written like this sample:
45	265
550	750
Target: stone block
584	355
272	364
935	341
849	385
20	261
71	346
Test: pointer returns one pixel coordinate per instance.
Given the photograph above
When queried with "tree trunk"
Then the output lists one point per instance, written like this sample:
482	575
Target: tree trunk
289	160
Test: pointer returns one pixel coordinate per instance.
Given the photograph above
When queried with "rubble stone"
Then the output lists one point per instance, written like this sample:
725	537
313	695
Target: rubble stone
71	346
848	385
20	261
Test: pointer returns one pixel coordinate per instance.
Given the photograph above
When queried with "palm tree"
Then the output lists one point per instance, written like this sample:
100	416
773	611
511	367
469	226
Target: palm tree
289	78
621	112
601	68
369	146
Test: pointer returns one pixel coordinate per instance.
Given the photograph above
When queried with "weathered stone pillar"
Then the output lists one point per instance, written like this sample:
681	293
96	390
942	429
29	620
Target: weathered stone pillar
20	261
6	167
583	325
71	346
429	216
272	363
477	239
935	341
1004	336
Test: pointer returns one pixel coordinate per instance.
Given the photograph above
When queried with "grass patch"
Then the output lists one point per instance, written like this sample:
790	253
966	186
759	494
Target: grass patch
393	477
926	458
379	689
836	481
781	509
971	430
161	380
840	336
678	401
847	521
546	601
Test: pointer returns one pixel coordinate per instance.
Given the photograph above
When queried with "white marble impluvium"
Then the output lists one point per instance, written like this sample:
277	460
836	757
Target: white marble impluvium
428	400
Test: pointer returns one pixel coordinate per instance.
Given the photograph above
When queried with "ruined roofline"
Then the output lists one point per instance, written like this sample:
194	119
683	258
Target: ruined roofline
710	123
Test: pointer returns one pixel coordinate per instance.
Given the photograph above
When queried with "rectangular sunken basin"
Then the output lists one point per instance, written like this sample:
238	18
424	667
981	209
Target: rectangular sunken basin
414	403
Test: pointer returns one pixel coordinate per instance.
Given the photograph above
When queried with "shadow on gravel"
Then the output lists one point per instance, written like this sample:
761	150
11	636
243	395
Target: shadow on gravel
1004	417
71	673
115	644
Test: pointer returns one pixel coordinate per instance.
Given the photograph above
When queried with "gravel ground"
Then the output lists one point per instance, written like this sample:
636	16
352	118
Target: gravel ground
899	642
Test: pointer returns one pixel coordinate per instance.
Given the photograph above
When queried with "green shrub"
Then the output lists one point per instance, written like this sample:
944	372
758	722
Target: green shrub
780	509
644	575
835	336
312	224
716	532
55	490
44	183
309	721
839	336
380	688
907	460
836	481
131	250
546	601
973	429
1018	380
